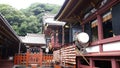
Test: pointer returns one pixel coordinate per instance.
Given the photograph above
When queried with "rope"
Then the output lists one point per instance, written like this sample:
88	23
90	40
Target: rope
82	56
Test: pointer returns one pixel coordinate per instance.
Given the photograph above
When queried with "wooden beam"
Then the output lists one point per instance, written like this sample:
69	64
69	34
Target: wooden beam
101	11
105	41
6	35
73	9
93	4
68	4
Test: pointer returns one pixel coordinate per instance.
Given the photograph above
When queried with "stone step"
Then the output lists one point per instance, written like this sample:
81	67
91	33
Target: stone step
23	66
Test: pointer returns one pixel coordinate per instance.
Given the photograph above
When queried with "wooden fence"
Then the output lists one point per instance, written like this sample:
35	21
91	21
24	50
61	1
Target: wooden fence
28	59
47	59
20	59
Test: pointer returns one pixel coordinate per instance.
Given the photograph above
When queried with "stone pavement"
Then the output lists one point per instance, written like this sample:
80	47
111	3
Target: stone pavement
23	66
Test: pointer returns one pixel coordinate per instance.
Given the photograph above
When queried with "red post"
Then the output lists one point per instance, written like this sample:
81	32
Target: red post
15	59
100	31
100	27
91	63
78	62
20	58
114	63
27	59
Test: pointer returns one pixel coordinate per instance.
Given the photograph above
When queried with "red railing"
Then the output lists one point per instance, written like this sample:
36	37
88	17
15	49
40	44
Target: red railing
28	59
47	59
20	59
35	58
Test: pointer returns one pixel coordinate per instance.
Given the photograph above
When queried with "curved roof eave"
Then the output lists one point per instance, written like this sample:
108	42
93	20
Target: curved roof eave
5	22
61	10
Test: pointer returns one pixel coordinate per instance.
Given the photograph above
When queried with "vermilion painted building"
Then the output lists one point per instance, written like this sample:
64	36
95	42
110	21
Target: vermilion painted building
9	44
100	19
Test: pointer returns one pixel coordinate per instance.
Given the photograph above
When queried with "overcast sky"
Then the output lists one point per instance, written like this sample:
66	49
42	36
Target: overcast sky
18	4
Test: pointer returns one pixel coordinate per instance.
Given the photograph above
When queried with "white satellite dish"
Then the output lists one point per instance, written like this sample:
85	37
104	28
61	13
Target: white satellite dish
83	37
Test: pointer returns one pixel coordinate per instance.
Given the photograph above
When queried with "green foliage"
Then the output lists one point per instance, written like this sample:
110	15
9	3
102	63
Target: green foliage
27	20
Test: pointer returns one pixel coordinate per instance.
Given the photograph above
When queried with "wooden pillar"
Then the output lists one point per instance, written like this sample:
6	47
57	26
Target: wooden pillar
63	40
114	63
91	63
57	38
19	48
101	48
118	65
83	29
54	35
70	33
100	27
27	58
78	62
100	31
41	56
62	44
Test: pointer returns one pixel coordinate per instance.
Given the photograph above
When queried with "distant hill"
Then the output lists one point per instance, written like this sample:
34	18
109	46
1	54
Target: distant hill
27	20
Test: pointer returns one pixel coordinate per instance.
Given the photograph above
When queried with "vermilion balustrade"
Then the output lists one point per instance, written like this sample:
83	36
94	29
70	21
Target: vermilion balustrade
33	58
28	59
20	59
47	59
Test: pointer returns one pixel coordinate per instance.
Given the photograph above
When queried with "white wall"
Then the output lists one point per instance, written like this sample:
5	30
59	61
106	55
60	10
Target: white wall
92	49
111	46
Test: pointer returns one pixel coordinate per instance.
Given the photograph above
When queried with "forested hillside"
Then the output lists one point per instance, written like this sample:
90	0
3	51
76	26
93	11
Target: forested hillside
27	20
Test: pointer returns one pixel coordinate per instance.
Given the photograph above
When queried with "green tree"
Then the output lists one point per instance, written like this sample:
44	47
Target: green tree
27	20
13	16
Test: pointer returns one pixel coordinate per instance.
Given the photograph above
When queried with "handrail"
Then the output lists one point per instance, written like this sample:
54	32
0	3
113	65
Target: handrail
47	59
28	58
33	58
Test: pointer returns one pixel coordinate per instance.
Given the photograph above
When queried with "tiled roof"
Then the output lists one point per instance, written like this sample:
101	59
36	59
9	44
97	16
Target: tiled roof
34	39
